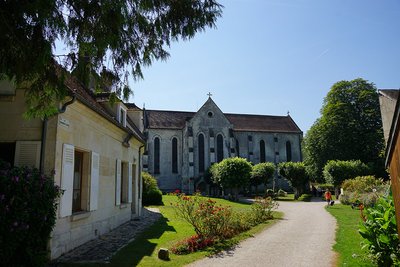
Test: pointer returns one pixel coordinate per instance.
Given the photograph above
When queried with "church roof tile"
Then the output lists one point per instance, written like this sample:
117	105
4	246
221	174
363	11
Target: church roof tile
163	119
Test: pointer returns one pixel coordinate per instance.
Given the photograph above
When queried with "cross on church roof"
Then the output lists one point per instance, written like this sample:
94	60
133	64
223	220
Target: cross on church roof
209	94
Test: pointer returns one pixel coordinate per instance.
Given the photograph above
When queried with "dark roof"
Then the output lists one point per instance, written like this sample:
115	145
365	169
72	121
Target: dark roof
161	119
390	93
88	99
263	123
132	106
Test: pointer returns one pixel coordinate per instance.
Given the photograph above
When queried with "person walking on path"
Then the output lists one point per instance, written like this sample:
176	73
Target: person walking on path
328	197
303	238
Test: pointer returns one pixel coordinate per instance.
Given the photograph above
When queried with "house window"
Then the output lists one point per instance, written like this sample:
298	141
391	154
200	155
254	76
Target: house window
201	153
124	182
174	155
7	152
237	148
156	155
121	115
80	192
288	151
262	151
80	188
220	148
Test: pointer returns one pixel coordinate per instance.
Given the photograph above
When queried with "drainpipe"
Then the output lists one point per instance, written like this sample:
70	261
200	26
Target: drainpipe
43	145
44	132
140	182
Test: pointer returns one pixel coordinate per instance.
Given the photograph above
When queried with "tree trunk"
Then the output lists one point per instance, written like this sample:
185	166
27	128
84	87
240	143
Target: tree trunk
296	193
337	192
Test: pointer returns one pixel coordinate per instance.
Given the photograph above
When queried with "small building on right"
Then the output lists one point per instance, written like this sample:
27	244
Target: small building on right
390	112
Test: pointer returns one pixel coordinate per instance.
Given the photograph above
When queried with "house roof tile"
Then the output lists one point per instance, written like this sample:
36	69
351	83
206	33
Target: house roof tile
88	99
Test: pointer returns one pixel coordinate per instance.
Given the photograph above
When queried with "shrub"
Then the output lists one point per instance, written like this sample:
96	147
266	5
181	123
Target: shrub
213	223
363	189
28	206
191	244
305	197
336	171
363	184
151	194
152	197
208	219
262	209
380	233
241	221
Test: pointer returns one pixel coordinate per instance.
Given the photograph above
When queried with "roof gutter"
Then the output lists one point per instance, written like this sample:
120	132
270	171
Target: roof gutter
125	143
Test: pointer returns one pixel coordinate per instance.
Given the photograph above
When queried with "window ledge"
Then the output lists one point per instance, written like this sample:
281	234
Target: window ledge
80	216
123	205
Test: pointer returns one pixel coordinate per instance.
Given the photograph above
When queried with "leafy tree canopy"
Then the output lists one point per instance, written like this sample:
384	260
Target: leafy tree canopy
262	173
350	128
106	40
296	174
232	172
336	171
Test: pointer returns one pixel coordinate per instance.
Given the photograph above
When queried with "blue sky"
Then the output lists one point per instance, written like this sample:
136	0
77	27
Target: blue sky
270	57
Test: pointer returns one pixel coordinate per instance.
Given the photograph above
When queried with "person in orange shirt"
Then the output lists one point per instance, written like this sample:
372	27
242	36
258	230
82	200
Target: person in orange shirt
328	196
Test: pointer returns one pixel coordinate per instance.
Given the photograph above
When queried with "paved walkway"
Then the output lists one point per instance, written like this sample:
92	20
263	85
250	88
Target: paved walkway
102	249
303	238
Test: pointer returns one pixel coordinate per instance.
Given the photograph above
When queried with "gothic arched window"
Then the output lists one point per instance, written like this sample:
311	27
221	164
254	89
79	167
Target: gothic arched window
262	151
174	155
201	152
220	148
156	155
288	151
237	148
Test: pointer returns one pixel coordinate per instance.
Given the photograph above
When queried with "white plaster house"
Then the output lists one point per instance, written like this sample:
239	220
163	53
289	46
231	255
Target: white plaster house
94	149
182	145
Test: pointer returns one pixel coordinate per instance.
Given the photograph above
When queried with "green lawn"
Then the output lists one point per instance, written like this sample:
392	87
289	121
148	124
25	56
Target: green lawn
167	231
348	240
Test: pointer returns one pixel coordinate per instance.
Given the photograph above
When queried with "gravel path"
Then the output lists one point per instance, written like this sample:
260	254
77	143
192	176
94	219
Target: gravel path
304	237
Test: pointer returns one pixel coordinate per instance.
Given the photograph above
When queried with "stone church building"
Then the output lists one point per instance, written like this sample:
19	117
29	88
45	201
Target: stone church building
182	145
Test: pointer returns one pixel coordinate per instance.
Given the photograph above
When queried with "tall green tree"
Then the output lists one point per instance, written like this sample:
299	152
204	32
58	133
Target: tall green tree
296	174
107	39
350	128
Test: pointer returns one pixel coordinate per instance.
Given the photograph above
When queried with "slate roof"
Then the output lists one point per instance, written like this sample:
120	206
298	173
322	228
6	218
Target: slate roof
263	123
163	119
88	99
